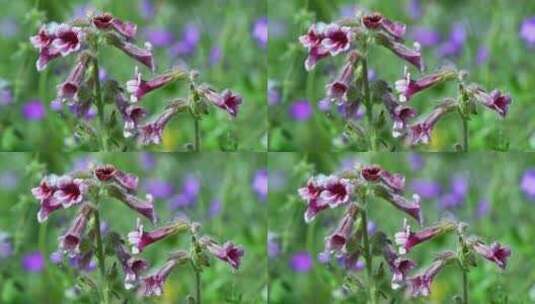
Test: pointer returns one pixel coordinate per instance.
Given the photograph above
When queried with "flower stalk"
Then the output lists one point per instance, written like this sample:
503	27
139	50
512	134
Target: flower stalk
100	255
368	257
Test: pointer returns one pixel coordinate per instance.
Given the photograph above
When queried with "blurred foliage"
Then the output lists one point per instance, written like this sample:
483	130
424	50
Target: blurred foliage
223	177
493	24
491	176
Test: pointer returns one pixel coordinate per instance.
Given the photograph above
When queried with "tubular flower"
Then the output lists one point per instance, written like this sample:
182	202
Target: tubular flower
107	173
421	131
312	41
407	87
132	115
70	191
337	241
226	100
54	40
138	87
399	113
411	207
420	285
68	90
336	191
45	194
153	285
407	239
228	252
413	56
106	21
337	39
70	241
144	56
143	207
338	89
495	252
310	193
139	239
400	266
152	132
494	100
377	21
68	39
392	181
132	266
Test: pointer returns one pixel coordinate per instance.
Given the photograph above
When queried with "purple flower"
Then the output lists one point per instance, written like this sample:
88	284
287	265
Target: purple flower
312	41
9	28
71	240
228	252
425	36
337	240
142	55
407	239
153	285
106	21
33	110
56	257
495	252
338	89
215	55
180	200
138	87
273	245
139	239
215	208
260	31
420	132
159	188
147	160
6	96
6	248
322	192
377	21
337	39
33	262
152	132
411	207
414	9
144	207
146	9
527	184
416	161
399	113
188	44
456	40
8	180
67	40
420	285
191	187
70	191
301	262
482	209
494	100
159	36
260	184
483	54
274	93
68	90
412	56
226	100
427	189
407	87
527	31
300	110
132	266
399	266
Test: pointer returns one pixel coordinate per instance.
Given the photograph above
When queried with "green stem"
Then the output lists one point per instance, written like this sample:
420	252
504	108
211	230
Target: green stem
99	104
368	103
100	254
197	141
197	286
465	286
465	133
367	254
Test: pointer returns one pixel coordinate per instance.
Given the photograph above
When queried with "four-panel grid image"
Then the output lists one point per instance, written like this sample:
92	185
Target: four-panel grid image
267	151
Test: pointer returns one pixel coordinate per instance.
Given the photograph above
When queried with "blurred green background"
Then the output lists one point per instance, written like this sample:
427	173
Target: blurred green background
481	36
492	192
221	39
225	193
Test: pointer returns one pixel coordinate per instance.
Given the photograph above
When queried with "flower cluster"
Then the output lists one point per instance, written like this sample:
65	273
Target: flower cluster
86	189
354	190
351	88
81	90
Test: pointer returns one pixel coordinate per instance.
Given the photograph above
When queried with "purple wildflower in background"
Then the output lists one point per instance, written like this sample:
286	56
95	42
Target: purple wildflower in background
146	9
33	262
371	227
414	9
527	31
273	245
300	110
9	28
159	188
159	36
482	55
455	43
191	187
349	11
324	105
188	42
147	160
33	110
6	96
56	257
260	184
274	93
301	262
215	208
416	161
457	194
260	31
426	36
215	55
527	183
8	180
427	189
482	209
277	180
6	248
82	10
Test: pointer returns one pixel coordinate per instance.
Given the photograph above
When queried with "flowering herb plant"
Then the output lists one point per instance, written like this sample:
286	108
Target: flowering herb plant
356	191
352	89
87	191
84	94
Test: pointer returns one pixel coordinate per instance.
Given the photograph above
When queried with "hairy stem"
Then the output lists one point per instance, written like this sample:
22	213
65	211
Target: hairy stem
99	104
100	255
465	133
197	141
465	286
367	255
368	104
